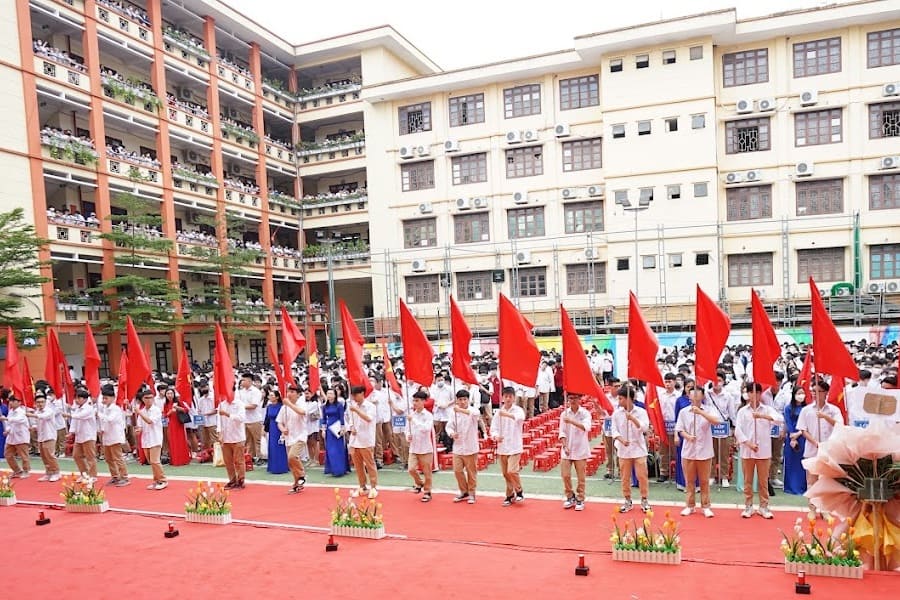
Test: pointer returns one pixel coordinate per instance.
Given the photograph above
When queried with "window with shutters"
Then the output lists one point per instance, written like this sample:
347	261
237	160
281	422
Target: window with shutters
417	176
822	264
884	191
579	92
817	57
420	232
531	282
583	279
522	101
582	217
422	289
818	127
415	118
750	269
469	168
884	261
472	227
525	222
580	155
466	110
821	197
884	120
746	203
524	162
745	68
883	48
474	286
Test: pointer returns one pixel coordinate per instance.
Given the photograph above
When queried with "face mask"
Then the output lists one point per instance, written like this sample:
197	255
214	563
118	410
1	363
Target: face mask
440	384
745	396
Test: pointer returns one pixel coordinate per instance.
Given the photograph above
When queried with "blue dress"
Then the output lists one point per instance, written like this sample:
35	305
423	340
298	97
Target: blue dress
680	404
277	461
336	462
4	410
794	473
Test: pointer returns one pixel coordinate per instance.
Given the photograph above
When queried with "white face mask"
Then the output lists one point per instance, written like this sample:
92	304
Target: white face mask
440	384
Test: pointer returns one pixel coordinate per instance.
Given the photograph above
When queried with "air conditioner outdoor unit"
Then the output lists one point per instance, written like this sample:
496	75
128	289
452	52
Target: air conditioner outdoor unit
596	190
809	98
875	287
423	150
568	193
463	203
562	130
523	257
234	169
480	203
514	137
184	93
233	113
520	197
754	175
418	265
804	169
426	208
889	162
590	253
892	287
744	106
734	177
451	146
891	89
530	135
192	156
765	104
407	151
194	218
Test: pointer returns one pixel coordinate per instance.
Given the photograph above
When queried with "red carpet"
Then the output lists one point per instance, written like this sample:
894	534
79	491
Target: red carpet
482	551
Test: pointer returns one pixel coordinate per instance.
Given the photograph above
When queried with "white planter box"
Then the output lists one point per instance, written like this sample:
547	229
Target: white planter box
359	532
10	501
208	519
824	570
662	558
88	508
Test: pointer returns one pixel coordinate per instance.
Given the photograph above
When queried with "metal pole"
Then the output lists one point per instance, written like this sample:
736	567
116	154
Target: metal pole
332	339
637	273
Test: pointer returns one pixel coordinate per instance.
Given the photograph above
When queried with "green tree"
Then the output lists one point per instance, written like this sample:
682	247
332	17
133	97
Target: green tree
20	277
147	300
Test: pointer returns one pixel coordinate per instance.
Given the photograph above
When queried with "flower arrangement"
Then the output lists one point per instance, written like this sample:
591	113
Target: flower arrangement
7	490
642	538
818	546
82	493
346	513
208	499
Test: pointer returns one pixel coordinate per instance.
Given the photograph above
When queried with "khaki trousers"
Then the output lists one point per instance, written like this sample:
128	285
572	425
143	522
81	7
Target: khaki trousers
610	447
402	446
115	461
233	455
544	402
760	466
724	457
294	462
565	469
775	464
210	435
153	455
464	467
85	455
61	441
423	462
509	466
693	470
254	435
639	465
363	464
17	450
48	457
529	407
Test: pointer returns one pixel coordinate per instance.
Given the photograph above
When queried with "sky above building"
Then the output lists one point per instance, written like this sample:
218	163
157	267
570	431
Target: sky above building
464	33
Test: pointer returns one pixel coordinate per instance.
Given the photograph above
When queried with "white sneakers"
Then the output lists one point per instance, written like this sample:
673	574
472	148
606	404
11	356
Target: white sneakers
748	512
725	483
569	503
54	477
687	511
373	493
708	513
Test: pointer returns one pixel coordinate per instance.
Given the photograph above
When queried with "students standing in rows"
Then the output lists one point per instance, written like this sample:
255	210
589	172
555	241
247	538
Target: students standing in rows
462	426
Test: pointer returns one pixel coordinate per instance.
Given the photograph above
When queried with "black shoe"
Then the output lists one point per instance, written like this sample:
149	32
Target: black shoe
461	497
662	479
239	485
520	497
771	489
379	466
608	476
508	500
230	485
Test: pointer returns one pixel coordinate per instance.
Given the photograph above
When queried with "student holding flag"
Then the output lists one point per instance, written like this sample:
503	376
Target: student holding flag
752	430
462	426
574	425
816	424
506	430
421	445
630	424
361	418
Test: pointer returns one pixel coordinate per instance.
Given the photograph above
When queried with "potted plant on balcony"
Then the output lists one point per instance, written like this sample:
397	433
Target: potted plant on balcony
81	496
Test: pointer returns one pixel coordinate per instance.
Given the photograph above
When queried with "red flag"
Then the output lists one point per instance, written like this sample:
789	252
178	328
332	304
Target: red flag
353	350
418	355
836	396
642	346
312	353
28	392
184	381
804	379
832	356
460	336
713	327
223	372
122	388
765	344
139	371
12	372
389	369
279	372
56	371
91	362
519	354
292	344
577	375
654	411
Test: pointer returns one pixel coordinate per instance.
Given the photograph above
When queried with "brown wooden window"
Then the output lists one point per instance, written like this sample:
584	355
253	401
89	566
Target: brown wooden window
469	168
417	176
746	203
818	127
817	57
580	155
586	279
822	264
749	269
420	232
745	68
822	197
522	101
472	227
579	92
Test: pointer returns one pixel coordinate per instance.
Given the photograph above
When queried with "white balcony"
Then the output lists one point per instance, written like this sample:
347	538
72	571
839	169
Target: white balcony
63	73
113	17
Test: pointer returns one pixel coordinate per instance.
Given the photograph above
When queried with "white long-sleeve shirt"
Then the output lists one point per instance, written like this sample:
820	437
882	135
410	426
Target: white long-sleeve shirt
726	402
623	428
251	396
466	427
749	429
231	428
443	400
819	429
698	426
577	446
365	430
297	425
84	423
46	423
508	430
112	424
152	432
16	426
421	432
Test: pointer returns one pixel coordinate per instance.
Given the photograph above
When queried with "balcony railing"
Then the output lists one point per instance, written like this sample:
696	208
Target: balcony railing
116	166
276	91
235	74
184	45
239	193
330	148
279	150
76	234
63	146
63	72
342	251
313	98
130	91
191	119
126	18
310	200
186	174
75	302
239	133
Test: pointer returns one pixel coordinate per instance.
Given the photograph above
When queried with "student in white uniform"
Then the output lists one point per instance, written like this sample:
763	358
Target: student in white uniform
752	430
18	438
506	430
693	430
84	426
462	426
150	431
420	437
112	428
630	424
574	425
46	437
816	423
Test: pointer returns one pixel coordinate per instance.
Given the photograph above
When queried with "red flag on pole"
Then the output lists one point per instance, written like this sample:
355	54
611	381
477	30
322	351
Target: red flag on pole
122	388
353	350
765	343
418	355
279	372
56	371
577	375
832	356
223	372
312	353
12	371
654	412
184	381
460	336
804	379
28	392
713	327
292	344
642	346
389	369
519	354
836	395
139	371
91	362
